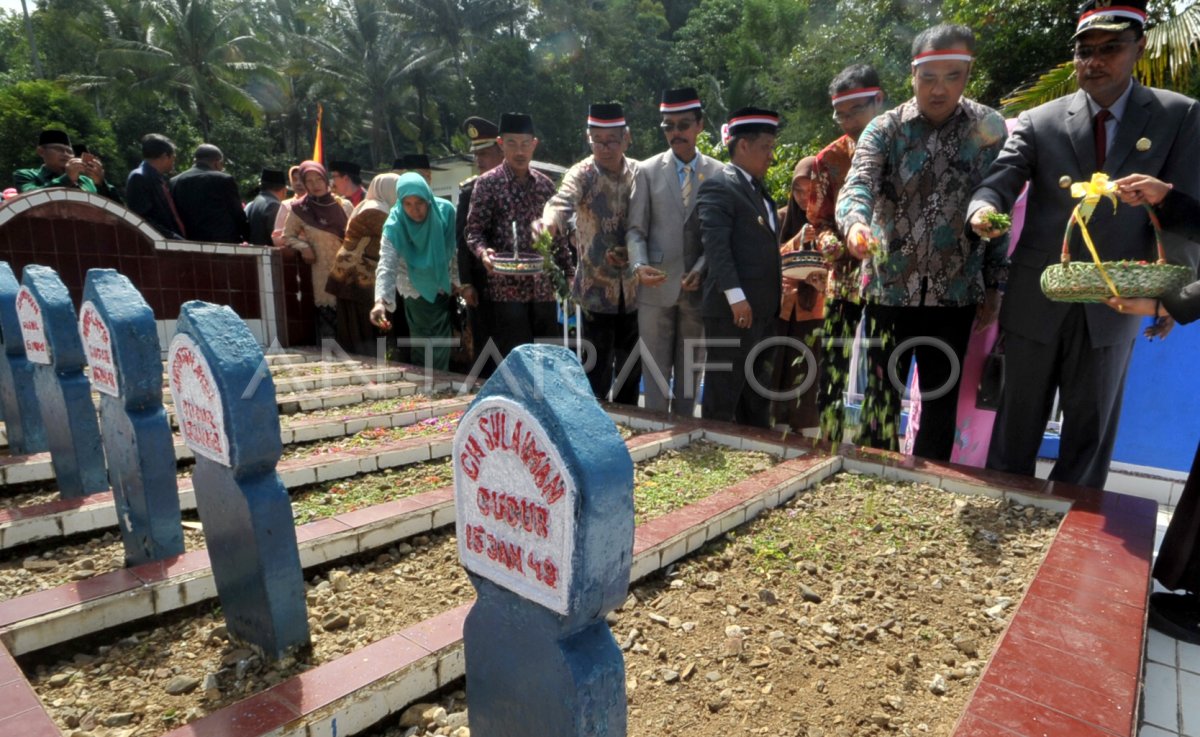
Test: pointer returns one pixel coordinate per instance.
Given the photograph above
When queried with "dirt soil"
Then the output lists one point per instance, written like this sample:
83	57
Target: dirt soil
863	607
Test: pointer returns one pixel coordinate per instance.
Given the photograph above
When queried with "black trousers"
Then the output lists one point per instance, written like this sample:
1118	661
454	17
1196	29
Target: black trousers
937	337
729	394
1090	383
614	338
516	323
841	325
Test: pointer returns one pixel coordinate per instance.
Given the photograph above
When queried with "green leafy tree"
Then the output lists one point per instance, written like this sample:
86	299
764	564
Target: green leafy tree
197	54
26	108
1172	51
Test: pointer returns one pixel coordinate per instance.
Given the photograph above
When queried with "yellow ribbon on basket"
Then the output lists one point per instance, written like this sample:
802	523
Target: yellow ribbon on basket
1089	194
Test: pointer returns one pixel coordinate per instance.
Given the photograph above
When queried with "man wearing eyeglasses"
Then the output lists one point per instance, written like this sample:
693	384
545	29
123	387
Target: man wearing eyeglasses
62	168
857	97
593	202
668	257
1112	125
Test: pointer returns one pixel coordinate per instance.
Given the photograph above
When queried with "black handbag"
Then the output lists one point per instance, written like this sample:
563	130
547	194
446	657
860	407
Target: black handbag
991	378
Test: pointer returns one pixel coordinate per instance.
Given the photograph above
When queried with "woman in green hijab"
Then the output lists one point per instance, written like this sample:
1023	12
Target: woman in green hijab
418	259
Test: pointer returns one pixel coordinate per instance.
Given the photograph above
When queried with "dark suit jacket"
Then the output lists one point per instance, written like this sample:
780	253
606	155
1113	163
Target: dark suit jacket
144	194
1180	213
261	214
1056	139
209	204
740	245
470	268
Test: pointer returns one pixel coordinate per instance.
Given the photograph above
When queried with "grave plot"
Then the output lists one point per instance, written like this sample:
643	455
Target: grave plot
860	607
381	439
184	668
681	477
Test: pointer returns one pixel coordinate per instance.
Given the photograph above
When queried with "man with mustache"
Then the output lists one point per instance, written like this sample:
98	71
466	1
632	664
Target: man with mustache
668	257
1112	125
62	167
903	210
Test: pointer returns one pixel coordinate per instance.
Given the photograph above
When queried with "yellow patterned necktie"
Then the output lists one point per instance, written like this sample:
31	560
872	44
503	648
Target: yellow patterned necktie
687	186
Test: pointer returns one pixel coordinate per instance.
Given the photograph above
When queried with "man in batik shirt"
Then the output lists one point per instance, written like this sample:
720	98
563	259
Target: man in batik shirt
594	194
857	98
507	201
903	209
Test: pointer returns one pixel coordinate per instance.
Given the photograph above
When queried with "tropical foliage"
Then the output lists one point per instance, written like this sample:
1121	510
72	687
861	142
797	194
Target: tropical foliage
397	76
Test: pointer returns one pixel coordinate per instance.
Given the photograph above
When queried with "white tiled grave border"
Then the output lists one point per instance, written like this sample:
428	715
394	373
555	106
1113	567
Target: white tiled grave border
189	588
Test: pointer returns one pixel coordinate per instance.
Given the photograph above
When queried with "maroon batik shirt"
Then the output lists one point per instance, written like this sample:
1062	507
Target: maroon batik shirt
499	199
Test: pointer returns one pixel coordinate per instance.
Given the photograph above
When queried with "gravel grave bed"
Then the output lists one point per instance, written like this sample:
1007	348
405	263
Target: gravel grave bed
674	478
862	607
365	438
185	667
372	407
43	492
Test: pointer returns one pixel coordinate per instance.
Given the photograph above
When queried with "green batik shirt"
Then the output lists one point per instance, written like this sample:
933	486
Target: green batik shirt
27	180
911	183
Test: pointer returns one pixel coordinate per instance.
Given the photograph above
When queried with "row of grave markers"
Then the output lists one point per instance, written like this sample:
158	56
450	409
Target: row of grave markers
244	508
543	486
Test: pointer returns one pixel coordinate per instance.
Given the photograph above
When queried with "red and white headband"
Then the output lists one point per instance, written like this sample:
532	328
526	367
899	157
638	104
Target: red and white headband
855	94
609	123
678	107
943	55
1121	11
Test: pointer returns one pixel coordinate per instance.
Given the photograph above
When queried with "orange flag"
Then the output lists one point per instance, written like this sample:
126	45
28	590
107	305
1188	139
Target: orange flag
318	154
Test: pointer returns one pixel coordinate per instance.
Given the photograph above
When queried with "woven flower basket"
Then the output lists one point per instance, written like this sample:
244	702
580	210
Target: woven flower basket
1095	282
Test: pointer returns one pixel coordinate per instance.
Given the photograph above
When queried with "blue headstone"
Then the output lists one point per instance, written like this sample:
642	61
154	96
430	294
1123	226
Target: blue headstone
544	501
120	342
18	399
243	505
52	344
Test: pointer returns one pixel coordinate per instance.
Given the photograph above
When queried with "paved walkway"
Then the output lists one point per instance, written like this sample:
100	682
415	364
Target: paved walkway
1172	678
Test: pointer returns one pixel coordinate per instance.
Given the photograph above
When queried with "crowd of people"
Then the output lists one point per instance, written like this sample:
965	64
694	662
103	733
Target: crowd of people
675	261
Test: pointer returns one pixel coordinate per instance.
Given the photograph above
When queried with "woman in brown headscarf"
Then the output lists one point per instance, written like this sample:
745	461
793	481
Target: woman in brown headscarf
352	279
801	312
315	228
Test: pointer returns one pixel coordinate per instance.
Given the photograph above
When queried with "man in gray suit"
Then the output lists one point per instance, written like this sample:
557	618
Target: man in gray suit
742	289
664	245
1112	125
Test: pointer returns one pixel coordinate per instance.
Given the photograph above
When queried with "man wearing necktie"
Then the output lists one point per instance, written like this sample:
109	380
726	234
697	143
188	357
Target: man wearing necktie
1113	125
742	287
147	191
664	246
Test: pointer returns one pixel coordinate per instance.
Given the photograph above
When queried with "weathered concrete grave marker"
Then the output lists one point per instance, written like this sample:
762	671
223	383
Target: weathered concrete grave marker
18	398
243	505
52	344
544	499
120	341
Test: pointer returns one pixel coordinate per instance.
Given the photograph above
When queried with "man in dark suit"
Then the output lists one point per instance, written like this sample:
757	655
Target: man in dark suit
208	201
485	147
147	190
742	288
261	212
1112	125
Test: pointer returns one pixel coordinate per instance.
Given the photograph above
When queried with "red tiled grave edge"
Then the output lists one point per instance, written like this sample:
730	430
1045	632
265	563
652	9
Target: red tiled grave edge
1070	661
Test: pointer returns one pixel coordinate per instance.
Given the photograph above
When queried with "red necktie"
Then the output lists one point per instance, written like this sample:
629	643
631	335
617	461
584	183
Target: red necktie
171	204
1100	131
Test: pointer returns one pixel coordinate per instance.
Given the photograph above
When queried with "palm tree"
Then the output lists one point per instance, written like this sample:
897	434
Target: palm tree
195	52
1172	48
371	55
